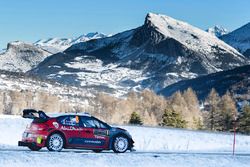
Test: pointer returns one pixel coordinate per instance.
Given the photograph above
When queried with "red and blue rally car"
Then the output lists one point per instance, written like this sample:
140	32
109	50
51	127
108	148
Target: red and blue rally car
73	131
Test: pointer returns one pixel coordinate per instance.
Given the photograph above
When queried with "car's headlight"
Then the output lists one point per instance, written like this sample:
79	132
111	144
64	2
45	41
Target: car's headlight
30	135
25	135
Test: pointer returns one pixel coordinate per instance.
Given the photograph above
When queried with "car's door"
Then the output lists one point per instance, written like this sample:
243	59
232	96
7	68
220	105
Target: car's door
70	126
95	134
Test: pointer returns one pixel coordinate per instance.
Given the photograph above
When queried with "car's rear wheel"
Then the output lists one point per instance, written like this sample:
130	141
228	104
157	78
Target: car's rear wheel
97	151
34	148
55	142
120	144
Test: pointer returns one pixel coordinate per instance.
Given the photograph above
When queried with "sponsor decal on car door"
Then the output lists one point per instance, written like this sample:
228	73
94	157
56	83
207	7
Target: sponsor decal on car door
71	128
94	137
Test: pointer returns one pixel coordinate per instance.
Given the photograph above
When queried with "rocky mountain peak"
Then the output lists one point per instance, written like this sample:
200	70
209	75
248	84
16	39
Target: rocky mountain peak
21	57
165	24
148	19
23	47
217	31
95	35
17	44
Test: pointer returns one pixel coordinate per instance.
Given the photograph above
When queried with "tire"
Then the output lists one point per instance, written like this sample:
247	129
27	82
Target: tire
34	148
120	144
55	142
97	151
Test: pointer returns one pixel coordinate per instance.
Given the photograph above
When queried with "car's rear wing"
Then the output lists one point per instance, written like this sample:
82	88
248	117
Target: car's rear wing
33	114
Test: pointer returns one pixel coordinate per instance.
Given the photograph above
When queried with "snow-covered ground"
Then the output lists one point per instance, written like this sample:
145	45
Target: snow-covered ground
155	147
78	159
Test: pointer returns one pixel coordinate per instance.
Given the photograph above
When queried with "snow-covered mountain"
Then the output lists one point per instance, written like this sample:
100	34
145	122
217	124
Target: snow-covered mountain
217	31
239	39
21	57
154	55
55	45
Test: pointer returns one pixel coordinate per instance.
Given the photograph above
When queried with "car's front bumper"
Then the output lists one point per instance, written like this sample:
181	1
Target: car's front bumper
131	145
26	144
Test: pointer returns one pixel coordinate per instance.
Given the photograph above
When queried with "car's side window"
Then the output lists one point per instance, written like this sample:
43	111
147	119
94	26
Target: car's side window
89	122
69	120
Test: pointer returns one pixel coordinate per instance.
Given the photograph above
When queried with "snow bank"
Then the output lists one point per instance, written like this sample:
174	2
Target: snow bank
162	139
146	138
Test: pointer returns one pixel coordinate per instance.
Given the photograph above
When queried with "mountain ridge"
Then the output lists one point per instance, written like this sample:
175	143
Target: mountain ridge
239	39
235	80
158	53
56	45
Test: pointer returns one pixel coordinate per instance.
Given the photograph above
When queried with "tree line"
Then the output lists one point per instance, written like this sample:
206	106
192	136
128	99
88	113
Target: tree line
181	110
222	114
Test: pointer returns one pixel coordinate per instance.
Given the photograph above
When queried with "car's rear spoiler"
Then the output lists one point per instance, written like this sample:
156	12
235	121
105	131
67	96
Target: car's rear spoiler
33	114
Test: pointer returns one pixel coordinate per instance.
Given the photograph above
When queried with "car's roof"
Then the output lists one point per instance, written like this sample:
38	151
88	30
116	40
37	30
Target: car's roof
66	114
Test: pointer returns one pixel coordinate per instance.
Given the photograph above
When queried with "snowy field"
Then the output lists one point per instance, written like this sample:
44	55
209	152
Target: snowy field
155	147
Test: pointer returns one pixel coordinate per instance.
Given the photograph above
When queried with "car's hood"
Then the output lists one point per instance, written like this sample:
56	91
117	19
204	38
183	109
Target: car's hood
116	130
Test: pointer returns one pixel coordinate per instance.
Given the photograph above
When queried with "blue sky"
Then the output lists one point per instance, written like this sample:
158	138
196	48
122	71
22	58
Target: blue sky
30	20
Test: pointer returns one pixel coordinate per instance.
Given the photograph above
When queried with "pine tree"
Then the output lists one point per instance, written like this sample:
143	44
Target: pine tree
173	119
198	124
191	99
244	120
213	117
135	119
228	112
194	113
178	104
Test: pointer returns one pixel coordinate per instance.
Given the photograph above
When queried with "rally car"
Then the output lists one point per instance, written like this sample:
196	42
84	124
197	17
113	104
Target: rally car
72	131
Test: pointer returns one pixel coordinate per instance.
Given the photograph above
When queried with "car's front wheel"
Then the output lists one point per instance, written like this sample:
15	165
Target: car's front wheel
120	144
55	142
